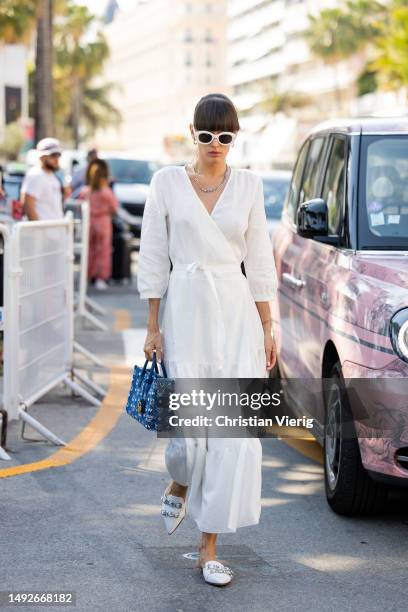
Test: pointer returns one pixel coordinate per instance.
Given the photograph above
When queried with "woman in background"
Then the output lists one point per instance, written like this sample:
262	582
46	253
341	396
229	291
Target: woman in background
103	206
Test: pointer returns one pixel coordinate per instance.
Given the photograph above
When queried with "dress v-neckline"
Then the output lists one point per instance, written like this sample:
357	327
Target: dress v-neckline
210	214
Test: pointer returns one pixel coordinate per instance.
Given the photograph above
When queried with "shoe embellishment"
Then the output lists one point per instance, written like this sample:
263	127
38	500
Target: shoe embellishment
165	500
217	569
169	513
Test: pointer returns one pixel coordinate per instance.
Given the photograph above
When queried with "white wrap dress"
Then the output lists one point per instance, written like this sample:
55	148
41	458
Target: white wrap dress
211	327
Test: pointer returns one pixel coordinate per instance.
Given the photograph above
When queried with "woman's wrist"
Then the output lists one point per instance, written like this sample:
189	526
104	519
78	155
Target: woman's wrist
153	327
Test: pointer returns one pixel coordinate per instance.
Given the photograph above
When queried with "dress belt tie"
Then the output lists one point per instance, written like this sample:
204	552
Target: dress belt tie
207	270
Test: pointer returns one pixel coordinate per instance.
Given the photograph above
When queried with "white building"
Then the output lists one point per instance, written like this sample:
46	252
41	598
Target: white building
269	60
164	57
13	85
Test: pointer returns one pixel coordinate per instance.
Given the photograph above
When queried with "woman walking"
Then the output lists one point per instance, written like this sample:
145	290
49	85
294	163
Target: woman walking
207	218
103	206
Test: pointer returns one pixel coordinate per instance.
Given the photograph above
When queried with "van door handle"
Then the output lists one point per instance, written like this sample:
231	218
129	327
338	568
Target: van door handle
292	281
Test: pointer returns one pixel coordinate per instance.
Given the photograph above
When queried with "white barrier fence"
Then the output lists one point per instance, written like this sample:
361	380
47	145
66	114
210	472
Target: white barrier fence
38	318
83	303
9	388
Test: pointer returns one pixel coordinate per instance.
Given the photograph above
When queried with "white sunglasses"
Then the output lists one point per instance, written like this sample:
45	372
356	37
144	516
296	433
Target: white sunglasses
224	138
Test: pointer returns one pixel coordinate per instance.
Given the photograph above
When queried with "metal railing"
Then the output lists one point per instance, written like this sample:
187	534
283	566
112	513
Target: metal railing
38	318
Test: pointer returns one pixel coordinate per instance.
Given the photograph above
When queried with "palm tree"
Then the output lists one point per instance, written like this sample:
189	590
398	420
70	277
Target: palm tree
17	20
338	33
78	62
43	81
331	37
392	49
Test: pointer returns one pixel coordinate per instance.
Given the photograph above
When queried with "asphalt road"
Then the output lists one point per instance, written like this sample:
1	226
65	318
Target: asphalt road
93	526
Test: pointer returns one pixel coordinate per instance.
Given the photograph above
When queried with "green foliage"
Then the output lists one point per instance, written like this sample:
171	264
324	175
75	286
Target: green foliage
80	59
17	20
391	55
12	142
367	82
380	27
338	33
98	111
332	34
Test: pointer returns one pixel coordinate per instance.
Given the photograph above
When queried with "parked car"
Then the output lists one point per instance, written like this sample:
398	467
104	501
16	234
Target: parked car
276	185
341	317
131	178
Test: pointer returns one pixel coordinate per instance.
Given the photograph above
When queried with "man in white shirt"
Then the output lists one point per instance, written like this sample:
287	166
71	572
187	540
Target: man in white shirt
41	190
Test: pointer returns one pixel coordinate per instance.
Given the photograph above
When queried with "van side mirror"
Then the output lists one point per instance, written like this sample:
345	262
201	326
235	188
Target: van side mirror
312	218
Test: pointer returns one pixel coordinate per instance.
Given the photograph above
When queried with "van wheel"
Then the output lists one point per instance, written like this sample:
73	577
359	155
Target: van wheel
349	489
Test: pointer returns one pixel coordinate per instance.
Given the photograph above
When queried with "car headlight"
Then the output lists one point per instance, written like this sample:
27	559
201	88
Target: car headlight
399	333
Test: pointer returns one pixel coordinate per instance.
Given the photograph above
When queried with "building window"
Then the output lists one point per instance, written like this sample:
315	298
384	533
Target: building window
209	7
189	7
188	60
208	62
188	36
208	37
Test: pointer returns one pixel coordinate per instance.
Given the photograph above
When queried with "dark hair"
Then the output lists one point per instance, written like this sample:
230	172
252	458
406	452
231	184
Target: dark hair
216	113
92	154
98	170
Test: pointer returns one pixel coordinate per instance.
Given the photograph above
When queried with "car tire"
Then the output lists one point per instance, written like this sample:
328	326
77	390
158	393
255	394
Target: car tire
349	489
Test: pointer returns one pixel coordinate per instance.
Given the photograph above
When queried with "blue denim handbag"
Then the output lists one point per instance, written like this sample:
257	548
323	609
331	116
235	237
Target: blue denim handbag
148	396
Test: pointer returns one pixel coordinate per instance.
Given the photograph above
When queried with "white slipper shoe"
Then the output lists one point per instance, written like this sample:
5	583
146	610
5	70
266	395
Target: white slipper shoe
216	573
173	510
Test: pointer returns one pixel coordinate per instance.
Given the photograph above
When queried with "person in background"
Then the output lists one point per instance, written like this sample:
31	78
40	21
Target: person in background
103	206
2	192
80	173
41	191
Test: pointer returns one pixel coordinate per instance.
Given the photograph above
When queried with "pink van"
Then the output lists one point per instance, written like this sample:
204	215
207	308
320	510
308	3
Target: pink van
341	318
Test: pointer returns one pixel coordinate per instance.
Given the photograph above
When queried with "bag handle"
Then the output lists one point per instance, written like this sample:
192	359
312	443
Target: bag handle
154	366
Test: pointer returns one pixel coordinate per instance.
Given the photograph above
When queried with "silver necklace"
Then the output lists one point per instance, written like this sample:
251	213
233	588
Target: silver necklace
211	189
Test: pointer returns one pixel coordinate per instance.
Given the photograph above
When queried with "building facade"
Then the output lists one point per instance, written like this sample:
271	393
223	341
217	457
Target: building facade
280	88
164	57
13	85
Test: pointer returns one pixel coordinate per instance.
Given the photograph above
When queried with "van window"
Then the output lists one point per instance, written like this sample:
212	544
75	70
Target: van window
293	194
383	210
312	171
334	184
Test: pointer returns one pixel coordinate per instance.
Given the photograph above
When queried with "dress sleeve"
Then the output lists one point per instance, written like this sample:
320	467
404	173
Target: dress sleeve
259	261
83	194
154	262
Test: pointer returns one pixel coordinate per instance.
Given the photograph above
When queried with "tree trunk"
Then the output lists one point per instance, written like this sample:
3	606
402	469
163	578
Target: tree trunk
43	83
76	112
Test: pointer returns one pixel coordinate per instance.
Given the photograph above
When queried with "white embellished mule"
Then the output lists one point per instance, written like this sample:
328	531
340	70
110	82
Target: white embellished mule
216	573
173	510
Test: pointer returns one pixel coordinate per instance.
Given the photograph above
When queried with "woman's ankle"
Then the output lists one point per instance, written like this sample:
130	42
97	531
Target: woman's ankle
206	552
177	489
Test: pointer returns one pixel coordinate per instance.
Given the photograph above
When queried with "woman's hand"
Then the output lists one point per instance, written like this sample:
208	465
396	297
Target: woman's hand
153	342
270	349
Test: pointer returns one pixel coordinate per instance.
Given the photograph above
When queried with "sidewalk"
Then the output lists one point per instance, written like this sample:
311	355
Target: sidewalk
93	525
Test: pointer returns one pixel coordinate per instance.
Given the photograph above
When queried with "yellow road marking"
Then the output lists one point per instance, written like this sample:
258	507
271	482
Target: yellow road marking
308	448
122	320
98	428
301	440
